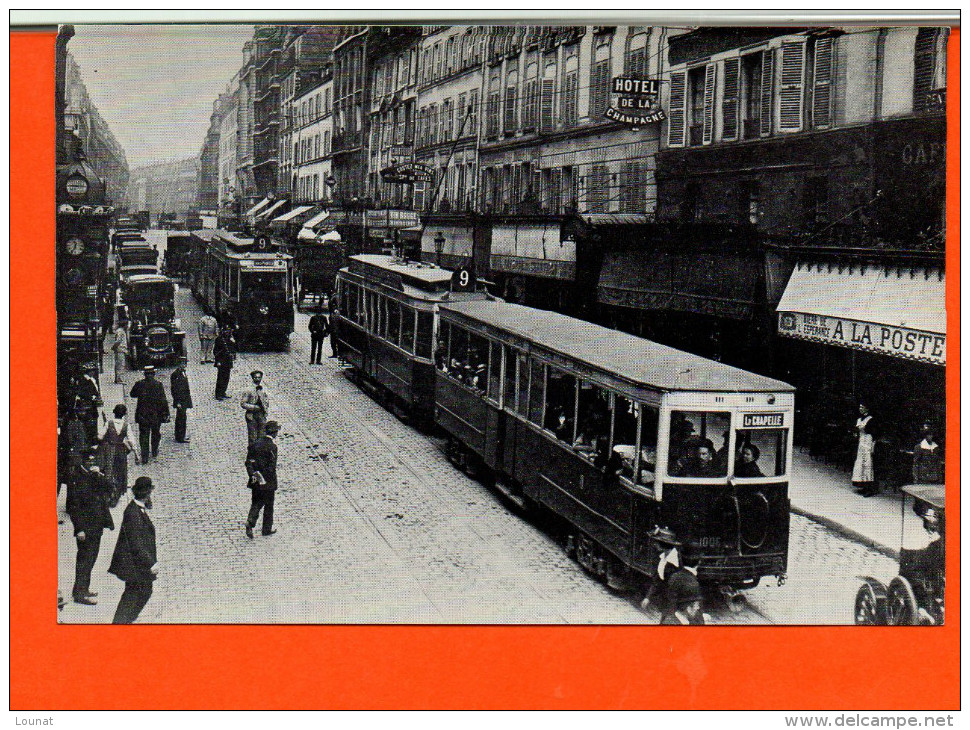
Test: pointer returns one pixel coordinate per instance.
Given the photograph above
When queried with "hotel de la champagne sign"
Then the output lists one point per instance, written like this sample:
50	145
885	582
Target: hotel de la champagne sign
635	101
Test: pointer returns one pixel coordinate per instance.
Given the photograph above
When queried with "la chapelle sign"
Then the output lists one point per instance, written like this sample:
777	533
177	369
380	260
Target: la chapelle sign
635	101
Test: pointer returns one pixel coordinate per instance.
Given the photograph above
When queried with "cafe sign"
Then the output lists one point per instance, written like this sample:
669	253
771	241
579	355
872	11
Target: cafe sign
885	339
407	173
635	101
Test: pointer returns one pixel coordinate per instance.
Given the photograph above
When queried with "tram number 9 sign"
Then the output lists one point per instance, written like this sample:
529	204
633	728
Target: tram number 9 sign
463	280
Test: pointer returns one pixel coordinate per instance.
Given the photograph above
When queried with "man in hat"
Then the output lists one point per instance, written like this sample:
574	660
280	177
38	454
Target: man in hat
89	400
181	399
87	507
668	561
151	413
120	349
683	595
318	330
224	356
255	402
134	560
261	467
208	329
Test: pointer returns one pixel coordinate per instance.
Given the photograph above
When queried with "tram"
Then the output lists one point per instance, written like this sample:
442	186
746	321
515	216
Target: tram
384	325
620	437
251	283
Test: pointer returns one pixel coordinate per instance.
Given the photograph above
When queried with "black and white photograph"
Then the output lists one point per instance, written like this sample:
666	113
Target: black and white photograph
500	323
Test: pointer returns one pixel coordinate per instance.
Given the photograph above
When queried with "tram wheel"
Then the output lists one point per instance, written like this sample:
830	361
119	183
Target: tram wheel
901	605
870	604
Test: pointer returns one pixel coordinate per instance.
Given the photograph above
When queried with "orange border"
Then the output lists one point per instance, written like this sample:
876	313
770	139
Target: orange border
310	667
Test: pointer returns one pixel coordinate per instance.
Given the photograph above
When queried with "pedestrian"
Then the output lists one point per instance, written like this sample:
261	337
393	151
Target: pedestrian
151	412
668	562
181	399
88	395
208	329
255	402
683	599
261	467
134	560
224	357
120	349
863	472
107	316
76	443
318	330
332	326
928	458
116	444
88	510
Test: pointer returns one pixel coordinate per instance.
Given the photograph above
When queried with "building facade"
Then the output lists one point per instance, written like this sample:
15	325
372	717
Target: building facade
228	191
312	140
165	187
208	167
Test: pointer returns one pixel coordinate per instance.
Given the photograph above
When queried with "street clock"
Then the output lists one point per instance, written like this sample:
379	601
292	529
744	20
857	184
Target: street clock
75	246
76	186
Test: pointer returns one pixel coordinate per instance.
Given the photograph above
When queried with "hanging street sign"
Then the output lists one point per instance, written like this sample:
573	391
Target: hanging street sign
635	101
407	173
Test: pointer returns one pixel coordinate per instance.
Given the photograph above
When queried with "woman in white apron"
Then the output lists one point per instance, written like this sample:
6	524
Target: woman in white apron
863	475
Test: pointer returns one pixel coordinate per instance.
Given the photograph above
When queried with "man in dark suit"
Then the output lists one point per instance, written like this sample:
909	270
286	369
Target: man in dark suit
683	595
151	413
318	330
181	399
134	560
89	400
88	509
261	466
224	355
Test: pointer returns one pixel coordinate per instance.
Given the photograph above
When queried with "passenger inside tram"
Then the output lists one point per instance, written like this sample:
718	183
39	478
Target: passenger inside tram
746	464
693	452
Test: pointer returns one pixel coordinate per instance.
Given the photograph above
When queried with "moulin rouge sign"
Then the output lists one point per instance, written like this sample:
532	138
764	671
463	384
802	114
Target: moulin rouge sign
635	101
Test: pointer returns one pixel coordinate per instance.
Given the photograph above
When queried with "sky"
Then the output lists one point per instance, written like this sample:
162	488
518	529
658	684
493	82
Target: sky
155	84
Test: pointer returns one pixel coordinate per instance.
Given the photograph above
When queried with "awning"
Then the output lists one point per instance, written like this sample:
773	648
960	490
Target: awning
259	206
316	220
269	211
892	310
718	283
292	214
329	237
534	249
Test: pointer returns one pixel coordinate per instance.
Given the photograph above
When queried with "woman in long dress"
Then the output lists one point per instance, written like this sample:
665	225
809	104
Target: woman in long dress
116	444
863	474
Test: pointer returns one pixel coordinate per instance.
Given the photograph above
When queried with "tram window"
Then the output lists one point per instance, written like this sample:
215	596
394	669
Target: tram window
407	328
234	283
537	392
522	402
477	362
441	353
592	423
494	371
349	308
393	322
425	324
760	452
698	444
649	425
508	400
458	353
623	452
372	312
265	282
561	405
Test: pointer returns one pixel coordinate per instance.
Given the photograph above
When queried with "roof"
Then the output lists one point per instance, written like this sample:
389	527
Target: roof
292	214
428	273
317	219
632	358
148	279
259	206
931	493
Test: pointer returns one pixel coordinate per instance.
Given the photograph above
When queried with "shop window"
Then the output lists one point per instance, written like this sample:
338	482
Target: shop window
592	424
816	202
698	444
537	392
407	328
495	371
561	405
760	453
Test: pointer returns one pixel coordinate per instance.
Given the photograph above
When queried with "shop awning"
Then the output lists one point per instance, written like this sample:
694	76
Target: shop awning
893	310
317	219
258	207
717	283
292	214
533	249
269	211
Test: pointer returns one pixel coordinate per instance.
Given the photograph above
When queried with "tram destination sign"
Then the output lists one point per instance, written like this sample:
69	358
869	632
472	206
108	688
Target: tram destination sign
635	101
763	420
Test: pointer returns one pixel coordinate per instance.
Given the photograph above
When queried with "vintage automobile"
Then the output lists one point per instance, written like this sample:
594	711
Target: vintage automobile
177	254
915	596
155	336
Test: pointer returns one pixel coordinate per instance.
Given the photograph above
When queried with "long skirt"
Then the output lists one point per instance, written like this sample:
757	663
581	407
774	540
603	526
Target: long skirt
114	465
862	471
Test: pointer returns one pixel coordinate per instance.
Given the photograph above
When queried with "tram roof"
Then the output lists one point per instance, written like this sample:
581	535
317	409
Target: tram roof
428	275
148	279
629	357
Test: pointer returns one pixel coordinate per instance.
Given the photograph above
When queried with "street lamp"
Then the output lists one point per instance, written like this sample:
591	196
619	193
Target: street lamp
439	244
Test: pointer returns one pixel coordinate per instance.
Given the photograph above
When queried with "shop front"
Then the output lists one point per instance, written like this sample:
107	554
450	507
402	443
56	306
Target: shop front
285	228
392	230
865	332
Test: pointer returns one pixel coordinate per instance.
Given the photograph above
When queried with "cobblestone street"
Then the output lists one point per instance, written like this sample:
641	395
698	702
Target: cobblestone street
376	526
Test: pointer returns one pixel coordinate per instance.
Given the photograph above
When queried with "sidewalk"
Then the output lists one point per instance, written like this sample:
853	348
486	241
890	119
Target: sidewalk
823	493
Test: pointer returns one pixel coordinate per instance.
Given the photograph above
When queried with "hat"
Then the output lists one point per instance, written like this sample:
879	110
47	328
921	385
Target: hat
683	588
254	372
272	427
142	487
665	536
148	369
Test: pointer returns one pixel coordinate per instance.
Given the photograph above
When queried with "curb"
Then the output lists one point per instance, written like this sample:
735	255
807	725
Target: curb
848	532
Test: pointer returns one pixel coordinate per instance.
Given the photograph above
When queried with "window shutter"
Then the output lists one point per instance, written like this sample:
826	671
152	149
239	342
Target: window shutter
791	95
822	90
729	112
710	76
510	109
924	67
546	121
678	100
767	90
